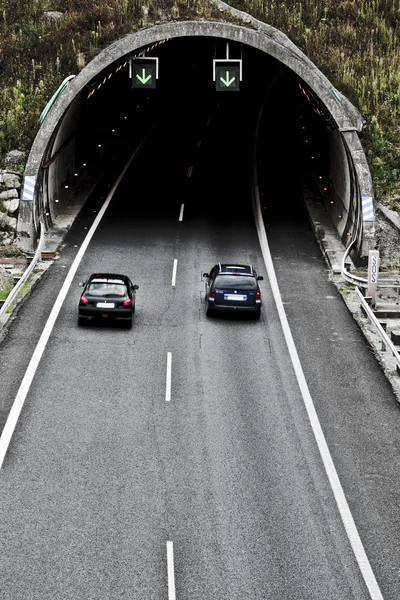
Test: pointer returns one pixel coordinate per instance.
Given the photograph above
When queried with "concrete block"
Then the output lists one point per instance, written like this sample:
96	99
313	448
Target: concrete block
395	337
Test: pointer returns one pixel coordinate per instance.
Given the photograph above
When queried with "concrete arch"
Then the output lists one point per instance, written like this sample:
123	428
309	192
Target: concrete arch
347	120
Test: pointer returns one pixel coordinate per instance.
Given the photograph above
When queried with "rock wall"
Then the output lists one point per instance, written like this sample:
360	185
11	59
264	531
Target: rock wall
387	231
10	193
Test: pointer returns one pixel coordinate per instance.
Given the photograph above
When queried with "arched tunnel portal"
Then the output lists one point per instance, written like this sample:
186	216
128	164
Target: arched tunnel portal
306	122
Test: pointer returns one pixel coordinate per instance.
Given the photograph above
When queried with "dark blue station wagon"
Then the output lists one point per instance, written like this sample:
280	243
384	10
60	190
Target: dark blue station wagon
233	287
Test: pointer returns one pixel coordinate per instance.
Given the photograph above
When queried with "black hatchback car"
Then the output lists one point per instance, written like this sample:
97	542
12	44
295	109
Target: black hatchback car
233	287
107	297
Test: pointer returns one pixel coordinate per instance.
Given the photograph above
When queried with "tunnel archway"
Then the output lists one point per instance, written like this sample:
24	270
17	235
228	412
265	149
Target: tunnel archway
350	181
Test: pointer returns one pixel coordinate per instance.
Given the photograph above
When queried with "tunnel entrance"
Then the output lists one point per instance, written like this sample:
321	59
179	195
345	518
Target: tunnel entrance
100	118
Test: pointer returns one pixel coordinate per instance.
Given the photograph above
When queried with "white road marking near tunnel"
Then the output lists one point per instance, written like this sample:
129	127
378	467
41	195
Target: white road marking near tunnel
190	170
198	144
181	212
23	390
168	382
330	469
171	571
174	268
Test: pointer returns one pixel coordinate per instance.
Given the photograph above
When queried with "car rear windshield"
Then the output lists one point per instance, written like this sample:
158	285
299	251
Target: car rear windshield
107	289
235	282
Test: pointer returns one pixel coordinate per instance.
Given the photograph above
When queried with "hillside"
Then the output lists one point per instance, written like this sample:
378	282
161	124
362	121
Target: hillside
355	43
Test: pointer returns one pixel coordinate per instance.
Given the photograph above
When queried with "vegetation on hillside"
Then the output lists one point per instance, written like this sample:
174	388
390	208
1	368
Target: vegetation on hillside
356	43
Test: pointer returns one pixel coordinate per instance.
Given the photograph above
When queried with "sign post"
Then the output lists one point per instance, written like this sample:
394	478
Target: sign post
227	73
373	270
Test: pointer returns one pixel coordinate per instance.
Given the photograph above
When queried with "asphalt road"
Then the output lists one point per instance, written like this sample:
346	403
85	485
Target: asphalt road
103	471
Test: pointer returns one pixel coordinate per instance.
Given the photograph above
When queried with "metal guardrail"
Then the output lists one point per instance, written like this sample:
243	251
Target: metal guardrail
382	333
383	282
361	282
349	277
14	292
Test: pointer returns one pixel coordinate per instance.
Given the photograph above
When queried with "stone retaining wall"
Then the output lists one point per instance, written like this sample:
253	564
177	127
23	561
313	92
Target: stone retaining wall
10	194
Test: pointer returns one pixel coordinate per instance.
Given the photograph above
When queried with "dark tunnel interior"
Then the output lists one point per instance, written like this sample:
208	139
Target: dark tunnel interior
293	148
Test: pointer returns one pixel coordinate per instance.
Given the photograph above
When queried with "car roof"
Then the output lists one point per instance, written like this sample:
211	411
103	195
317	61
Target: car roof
236	269
108	277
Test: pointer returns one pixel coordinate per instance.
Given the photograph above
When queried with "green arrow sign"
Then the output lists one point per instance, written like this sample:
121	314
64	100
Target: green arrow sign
227	82
143	79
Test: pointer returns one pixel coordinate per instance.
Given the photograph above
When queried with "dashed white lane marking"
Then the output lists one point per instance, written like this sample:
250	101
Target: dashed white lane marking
168	382
336	486
198	144
208	122
190	170
174	268
171	571
23	390
181	212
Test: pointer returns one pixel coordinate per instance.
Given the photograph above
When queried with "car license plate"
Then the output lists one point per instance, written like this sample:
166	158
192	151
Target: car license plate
237	297
105	305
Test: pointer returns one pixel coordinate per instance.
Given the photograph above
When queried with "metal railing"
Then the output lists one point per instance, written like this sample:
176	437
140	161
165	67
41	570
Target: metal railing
350	277
382	333
362	282
14	292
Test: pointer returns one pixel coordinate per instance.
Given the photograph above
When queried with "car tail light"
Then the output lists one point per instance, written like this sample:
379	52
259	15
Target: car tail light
258	296
212	294
83	300
127	302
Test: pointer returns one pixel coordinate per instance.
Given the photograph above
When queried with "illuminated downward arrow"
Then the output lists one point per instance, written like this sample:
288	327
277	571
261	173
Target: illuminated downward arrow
227	81
143	79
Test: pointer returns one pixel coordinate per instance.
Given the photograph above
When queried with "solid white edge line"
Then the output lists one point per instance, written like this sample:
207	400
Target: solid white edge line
171	571
340	498
181	212
174	268
168	381
23	390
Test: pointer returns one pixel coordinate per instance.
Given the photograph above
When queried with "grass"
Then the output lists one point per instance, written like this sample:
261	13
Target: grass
10	252
356	43
6	288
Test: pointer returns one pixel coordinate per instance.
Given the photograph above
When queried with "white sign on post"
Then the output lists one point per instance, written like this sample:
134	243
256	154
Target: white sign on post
373	270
